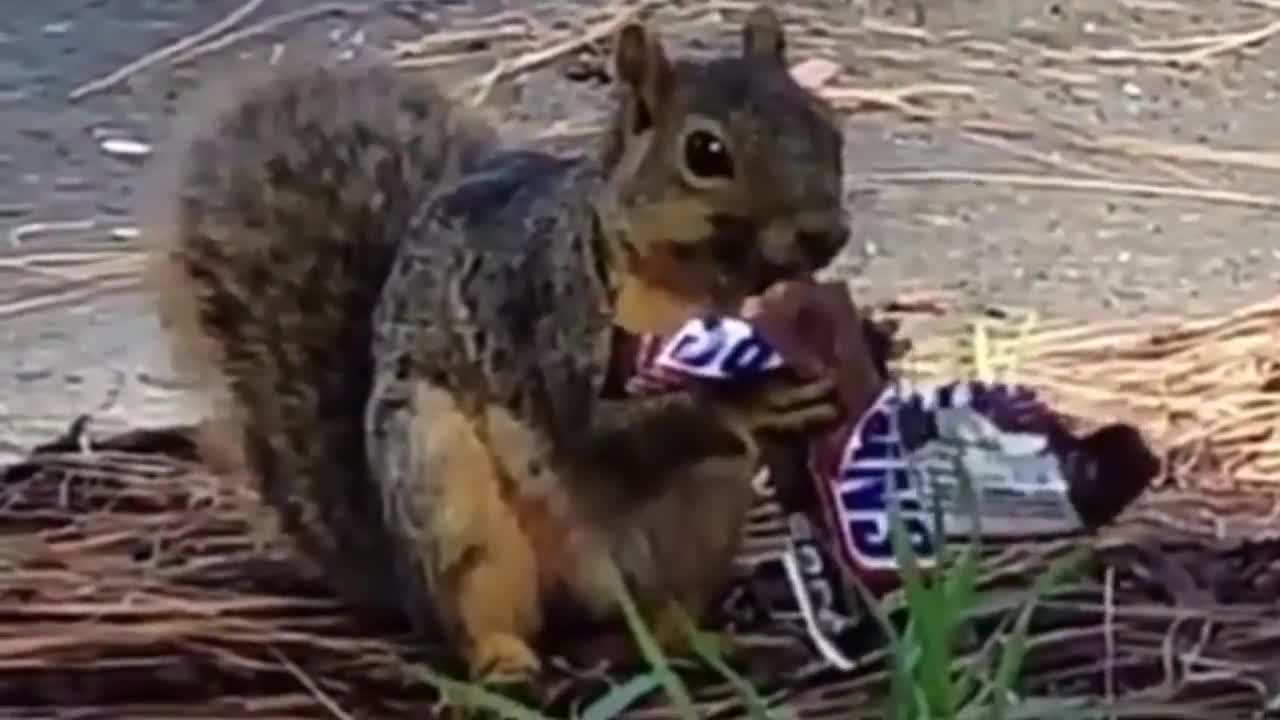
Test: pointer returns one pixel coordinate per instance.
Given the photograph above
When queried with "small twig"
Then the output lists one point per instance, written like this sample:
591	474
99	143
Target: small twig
435	61
154	57
1108	634
22	232
903	99
75	295
1198	57
506	69
1053	160
434	41
268	25
882	27
1165	6
1186	152
1224	197
311	685
1235	41
1182	174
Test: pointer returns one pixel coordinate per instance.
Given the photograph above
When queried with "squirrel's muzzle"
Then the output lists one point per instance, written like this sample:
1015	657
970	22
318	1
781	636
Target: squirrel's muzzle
757	253
805	244
821	246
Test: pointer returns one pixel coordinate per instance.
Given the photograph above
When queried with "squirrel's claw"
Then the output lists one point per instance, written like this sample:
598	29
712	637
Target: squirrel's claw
500	658
792	408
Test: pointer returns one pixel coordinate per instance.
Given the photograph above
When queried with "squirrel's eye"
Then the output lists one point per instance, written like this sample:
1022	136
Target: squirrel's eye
706	156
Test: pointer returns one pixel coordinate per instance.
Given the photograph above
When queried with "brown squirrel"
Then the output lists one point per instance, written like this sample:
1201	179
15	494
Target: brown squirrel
405	329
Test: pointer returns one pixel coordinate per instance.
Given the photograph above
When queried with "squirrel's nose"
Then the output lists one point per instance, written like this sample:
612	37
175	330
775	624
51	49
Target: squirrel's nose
821	246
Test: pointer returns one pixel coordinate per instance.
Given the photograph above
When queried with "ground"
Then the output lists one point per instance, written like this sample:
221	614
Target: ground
1087	159
1153	111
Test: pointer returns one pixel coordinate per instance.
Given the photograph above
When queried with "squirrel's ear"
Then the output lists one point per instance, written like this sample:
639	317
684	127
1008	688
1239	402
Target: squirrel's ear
642	64
763	36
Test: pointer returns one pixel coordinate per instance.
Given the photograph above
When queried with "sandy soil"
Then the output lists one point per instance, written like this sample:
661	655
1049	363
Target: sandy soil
1087	158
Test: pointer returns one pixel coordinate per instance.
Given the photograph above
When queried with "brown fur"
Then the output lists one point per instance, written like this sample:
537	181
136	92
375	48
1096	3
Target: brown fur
293	199
270	260
786	147
489	567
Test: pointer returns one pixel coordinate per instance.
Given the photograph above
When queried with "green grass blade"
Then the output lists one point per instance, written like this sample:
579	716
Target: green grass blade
961	583
903	701
621	697
898	660
671	682
961	590
706	648
980	673
476	697
1015	649
929	615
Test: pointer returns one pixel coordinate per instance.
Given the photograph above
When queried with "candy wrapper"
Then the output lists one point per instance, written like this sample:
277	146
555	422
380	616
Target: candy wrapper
914	445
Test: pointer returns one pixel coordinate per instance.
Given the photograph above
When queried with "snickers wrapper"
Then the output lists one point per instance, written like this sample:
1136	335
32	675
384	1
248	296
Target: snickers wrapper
954	457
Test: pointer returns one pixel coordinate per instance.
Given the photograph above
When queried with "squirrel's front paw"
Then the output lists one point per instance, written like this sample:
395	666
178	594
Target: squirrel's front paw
503	658
792	408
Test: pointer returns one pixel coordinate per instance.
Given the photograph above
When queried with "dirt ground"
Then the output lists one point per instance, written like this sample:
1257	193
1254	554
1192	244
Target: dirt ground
1087	158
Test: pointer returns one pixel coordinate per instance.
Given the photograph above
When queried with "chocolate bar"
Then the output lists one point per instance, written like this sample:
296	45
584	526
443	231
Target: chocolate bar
958	451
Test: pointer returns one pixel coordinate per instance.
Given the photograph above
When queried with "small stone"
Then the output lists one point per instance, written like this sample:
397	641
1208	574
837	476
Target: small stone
123	147
814	72
71	183
124	234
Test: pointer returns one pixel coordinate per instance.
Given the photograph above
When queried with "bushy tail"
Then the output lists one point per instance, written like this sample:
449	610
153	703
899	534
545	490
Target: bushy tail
270	233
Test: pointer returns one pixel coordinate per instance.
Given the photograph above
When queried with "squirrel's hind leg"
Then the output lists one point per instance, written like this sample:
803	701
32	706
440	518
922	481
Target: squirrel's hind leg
467	541
694	530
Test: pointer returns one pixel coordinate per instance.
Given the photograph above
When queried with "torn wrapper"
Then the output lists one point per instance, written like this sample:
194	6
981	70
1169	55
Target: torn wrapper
953	452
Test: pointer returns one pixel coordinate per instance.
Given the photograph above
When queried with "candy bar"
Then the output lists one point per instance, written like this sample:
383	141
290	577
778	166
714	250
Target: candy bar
953	450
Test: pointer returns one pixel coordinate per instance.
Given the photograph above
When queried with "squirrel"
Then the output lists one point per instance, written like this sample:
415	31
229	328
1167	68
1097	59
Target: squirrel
404	328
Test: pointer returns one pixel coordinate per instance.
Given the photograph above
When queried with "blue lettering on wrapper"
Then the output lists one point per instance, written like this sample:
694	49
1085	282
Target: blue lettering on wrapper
719	349
872	466
700	348
749	356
